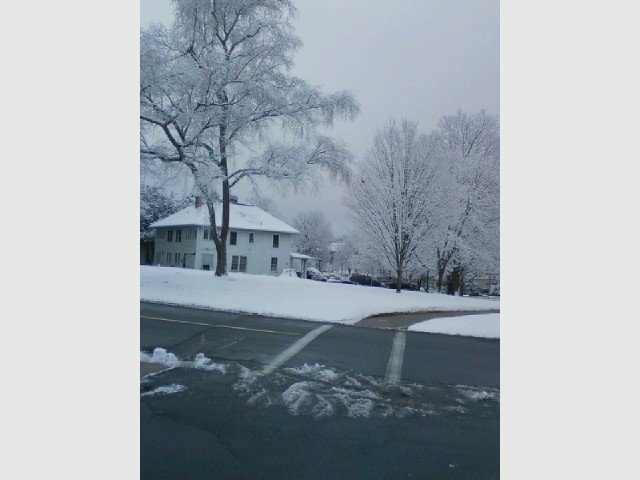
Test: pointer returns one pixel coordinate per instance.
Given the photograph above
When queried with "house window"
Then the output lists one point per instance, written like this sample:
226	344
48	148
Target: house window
274	264
161	234
169	236
191	234
178	235
276	241
238	263
206	234
233	239
177	259
251	238
161	257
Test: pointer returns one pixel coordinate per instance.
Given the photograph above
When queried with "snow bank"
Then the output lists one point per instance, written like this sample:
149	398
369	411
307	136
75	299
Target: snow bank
485	325
291	297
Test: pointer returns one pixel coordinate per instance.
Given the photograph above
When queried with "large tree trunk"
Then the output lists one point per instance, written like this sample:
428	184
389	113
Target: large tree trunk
443	261
221	265
440	280
221	244
221	259
399	280
149	252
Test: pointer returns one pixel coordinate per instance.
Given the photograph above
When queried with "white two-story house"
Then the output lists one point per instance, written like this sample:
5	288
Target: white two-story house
257	242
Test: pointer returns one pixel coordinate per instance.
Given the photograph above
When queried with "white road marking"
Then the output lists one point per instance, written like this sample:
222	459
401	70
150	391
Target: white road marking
293	349
394	367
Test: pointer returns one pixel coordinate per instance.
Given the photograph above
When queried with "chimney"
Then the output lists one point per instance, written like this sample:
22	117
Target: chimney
233	199
198	201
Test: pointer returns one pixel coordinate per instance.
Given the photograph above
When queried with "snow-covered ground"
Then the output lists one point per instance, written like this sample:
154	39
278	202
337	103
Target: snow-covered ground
291	297
485	325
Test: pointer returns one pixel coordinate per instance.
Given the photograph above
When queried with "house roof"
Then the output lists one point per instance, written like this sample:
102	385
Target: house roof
241	217
300	256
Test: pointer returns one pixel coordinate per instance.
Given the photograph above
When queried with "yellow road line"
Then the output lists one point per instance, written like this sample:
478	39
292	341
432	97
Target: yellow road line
221	326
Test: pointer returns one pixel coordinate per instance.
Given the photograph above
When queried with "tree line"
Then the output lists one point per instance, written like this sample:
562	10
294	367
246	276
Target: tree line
430	202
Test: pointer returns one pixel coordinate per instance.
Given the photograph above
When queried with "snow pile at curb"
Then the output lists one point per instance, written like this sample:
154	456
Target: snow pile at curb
291	297
162	357
486	325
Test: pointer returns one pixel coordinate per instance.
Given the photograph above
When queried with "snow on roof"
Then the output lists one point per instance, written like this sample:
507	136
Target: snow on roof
241	217
300	256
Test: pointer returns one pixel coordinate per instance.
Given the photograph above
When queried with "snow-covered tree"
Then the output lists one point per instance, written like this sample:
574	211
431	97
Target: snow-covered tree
467	229
266	204
217	99
315	235
394	196
155	204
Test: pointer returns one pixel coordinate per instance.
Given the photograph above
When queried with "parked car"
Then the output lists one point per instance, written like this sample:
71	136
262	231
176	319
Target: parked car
365	280
405	285
314	274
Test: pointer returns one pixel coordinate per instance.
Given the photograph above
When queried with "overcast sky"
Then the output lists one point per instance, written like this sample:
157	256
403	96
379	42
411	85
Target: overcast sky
415	59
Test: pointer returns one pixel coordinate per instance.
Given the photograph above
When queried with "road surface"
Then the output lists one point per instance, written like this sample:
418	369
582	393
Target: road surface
295	399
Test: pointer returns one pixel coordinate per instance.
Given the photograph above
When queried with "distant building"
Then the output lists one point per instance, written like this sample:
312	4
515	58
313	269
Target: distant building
257	243
300	263
334	248
486	281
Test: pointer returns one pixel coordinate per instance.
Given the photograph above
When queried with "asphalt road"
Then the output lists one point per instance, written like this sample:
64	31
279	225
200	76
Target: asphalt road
294	399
